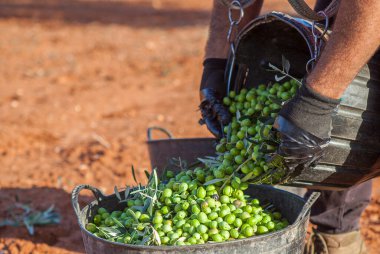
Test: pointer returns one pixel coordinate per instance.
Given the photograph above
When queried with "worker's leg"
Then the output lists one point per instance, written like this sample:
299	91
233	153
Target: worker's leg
336	215
339	211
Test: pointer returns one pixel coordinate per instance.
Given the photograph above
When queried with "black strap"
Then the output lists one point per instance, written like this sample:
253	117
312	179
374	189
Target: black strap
301	7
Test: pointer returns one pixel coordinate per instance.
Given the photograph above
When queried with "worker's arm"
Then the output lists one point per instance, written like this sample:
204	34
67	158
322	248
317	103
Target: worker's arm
213	87
355	38
305	122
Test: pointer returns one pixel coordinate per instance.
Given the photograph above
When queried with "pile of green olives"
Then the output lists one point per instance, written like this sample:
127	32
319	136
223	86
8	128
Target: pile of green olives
249	138
189	212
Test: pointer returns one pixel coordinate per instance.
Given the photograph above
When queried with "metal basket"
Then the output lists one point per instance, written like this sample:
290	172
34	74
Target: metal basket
162	151
289	240
353	154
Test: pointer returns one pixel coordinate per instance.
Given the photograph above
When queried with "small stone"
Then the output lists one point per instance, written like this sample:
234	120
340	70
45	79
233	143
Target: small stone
14	103
77	108
160	118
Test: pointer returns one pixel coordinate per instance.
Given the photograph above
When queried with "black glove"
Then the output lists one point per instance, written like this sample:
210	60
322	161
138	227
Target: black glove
212	90
305	124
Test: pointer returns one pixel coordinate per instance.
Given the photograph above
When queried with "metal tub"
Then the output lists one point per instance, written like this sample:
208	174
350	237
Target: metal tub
289	240
161	151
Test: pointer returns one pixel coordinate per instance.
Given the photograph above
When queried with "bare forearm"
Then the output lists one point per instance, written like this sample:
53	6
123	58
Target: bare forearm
354	40
217	46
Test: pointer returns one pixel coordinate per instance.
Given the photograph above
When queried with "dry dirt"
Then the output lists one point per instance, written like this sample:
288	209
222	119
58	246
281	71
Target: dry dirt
80	82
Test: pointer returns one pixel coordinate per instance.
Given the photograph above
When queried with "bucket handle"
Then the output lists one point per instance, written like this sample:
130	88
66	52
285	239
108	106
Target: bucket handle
75	194
306	208
303	9
161	129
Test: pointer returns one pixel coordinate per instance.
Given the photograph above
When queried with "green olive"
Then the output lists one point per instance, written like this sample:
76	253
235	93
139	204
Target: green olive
97	219
239	159
277	215
248	231
225	234
224	199
262	230
91	227
201	192
213	231
227	101
157	219
213	224
201	229
217	238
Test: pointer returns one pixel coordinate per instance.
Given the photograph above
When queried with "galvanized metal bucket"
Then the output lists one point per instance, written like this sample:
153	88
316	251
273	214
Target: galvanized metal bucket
286	241
161	151
353	154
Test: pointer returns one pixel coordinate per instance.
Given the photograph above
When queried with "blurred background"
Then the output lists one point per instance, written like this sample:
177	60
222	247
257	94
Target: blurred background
80	82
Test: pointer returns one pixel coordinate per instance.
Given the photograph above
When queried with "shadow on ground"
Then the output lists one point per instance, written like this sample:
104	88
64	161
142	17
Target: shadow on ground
136	14
65	235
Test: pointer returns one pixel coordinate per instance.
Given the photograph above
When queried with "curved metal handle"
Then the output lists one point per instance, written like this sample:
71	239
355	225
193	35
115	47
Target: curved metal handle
161	129
243	3
75	194
303	9
306	208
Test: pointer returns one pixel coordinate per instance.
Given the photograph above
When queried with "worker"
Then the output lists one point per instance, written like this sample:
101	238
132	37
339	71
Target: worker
355	39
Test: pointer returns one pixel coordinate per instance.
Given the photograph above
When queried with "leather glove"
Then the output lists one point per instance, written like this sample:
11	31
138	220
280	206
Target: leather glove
212	90
304	125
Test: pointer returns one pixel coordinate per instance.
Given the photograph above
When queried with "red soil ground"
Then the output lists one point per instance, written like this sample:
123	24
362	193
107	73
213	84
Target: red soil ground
80	82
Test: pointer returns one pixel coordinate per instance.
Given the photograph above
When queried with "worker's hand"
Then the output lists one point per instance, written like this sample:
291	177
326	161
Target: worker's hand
305	124
212	90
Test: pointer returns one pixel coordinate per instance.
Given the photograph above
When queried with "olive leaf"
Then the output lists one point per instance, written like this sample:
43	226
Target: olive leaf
133	174
126	192
155	179
145	240
217	180
285	64
238	115
117	194
178	162
246	142
269	208
147	174
229	131
8	222
139	208
147	203
110	232
133	215
151	206
249	146
279	78
247	177
169	215
28	225
284	71
210	161
253	141
156	237
181	239
117	222
23	214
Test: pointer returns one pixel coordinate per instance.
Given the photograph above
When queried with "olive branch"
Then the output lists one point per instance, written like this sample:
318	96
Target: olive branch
284	71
